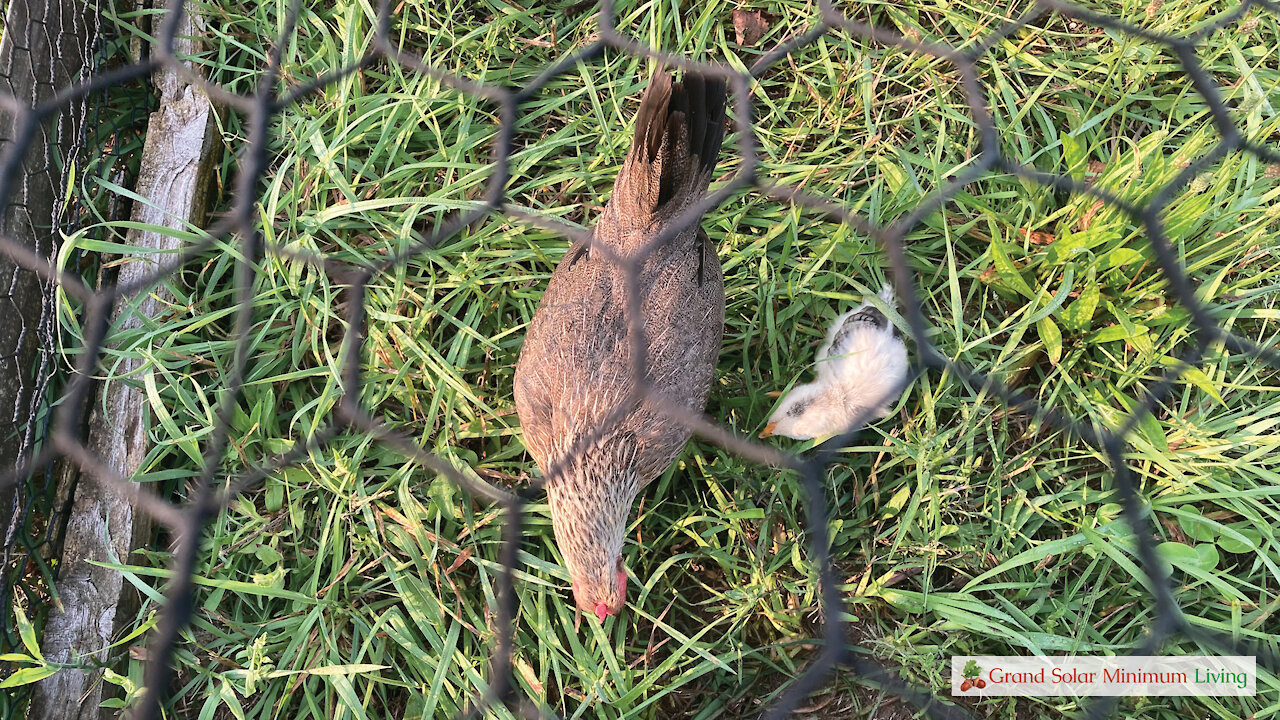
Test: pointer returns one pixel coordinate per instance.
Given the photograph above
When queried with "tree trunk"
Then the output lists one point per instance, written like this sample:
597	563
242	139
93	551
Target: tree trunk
177	164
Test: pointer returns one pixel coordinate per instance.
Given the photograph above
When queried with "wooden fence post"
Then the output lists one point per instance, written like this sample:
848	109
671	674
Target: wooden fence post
177	164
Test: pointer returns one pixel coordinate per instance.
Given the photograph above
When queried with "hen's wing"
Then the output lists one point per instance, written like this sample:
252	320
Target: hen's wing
575	370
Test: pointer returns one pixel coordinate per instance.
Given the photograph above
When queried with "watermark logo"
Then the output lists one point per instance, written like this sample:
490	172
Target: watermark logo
972	677
1187	675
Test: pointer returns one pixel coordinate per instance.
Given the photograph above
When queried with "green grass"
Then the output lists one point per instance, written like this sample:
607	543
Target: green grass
360	585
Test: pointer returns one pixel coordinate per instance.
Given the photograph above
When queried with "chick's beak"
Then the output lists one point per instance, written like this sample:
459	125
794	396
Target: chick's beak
768	430
602	611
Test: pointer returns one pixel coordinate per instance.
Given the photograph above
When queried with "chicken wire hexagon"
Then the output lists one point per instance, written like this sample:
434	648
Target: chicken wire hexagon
834	653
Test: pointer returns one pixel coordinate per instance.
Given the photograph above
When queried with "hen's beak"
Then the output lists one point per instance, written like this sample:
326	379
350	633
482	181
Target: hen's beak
602	611
768	430
774	393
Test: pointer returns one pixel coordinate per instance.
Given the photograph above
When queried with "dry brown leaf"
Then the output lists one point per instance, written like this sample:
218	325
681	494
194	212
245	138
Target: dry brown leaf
526	671
1175	531
457	563
537	43
901	575
1037	237
1089	214
749	26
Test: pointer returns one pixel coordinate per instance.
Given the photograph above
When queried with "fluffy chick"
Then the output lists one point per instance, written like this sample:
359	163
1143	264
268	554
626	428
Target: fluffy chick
861	367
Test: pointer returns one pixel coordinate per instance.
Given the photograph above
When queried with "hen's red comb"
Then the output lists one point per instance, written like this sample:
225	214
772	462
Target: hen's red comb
602	611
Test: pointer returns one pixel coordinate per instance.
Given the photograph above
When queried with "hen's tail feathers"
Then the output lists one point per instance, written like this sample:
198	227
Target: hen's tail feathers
678	133
888	295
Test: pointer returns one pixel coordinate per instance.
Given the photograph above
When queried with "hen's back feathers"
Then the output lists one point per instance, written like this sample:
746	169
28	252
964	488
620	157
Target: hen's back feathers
575	366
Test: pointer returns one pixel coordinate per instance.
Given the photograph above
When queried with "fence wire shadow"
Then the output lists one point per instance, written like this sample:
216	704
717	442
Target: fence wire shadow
241	228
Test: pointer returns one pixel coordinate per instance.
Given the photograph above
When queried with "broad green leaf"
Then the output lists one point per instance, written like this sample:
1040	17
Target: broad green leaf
1232	544
898	501
1076	319
1119	332
1007	271
1137	335
1147	426
1070	245
1192	375
1109	334
1208	556
228	695
1035	554
115	678
27	633
1195	526
1152	431
1052	339
26	676
1120	257
1074	155
1196	377
906	602
894	176
1179	555
274	494
1108	512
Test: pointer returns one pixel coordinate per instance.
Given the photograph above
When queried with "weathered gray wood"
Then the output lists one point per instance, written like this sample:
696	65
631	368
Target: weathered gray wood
177	164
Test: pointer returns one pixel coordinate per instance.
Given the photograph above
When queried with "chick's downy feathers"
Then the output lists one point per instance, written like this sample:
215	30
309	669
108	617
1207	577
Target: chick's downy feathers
860	370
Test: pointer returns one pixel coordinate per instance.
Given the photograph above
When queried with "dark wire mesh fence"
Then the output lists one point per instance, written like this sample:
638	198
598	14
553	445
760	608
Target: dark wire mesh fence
210	494
97	136
29	518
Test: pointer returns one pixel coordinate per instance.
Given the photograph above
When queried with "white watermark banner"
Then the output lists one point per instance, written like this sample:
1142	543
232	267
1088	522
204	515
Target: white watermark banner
1199	675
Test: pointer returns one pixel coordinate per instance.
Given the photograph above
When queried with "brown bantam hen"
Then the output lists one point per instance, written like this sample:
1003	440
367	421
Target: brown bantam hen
575	369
